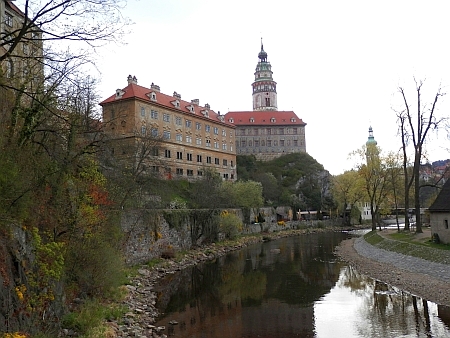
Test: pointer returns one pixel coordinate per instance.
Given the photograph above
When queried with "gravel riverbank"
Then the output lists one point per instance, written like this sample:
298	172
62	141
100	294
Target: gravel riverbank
420	277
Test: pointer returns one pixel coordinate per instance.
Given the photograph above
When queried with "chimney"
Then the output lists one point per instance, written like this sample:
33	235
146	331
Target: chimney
155	87
178	96
131	79
207	106
195	102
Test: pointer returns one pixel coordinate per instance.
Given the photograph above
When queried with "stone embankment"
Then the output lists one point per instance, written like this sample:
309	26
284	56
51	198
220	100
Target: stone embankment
141	299
423	278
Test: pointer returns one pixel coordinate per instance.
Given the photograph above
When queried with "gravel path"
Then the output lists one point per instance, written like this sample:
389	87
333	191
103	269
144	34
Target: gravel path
408	263
420	277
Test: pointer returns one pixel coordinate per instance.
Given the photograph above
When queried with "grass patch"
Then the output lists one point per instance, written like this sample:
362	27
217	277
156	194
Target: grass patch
409	237
407	244
373	237
89	318
154	262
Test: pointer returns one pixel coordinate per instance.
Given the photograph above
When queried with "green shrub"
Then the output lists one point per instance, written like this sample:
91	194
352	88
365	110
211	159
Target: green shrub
91	315
94	266
230	225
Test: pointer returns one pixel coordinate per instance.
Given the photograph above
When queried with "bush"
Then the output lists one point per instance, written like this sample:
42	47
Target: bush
90	316
95	267
230	225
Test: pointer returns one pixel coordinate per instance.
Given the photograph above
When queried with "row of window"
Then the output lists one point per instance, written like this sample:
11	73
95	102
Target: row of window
154	132
189	172
269	131
264	88
268	143
189	157
154	114
11	71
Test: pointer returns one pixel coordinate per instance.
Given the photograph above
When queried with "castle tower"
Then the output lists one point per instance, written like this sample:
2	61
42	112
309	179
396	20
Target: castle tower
371	139
264	87
372	152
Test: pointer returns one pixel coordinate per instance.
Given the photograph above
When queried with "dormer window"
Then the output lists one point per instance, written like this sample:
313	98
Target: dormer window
293	119
190	108
205	113
119	93
176	103
151	96
273	120
252	120
231	120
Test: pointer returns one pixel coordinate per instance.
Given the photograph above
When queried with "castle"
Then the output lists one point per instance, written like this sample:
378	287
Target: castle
266	132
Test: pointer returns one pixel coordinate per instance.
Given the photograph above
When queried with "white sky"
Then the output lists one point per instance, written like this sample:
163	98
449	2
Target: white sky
337	64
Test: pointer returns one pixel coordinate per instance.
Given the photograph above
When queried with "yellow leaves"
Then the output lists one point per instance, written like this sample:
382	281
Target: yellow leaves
13	335
20	291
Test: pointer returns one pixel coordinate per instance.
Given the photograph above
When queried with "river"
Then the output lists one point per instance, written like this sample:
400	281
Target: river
291	287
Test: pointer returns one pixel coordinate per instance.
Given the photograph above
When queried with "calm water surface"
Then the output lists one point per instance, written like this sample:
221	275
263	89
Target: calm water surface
292	287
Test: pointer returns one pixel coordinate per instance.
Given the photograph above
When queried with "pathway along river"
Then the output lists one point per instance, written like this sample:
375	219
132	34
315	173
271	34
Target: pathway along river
291	287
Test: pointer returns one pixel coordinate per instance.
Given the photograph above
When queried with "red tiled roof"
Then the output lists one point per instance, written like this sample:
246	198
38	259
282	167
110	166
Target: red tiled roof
14	8
266	117
142	93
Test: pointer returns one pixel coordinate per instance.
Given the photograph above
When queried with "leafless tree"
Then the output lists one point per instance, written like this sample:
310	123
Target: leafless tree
414	127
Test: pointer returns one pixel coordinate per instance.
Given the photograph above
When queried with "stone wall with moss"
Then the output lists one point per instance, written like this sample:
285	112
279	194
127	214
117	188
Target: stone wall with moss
149	234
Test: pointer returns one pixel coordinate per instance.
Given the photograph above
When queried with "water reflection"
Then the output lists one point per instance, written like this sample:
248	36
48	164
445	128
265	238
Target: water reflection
293	287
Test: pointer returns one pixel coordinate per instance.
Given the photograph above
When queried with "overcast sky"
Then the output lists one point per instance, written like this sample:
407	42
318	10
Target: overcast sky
337	64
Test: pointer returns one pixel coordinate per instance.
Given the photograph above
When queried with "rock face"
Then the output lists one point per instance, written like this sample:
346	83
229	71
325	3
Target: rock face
18	278
147	234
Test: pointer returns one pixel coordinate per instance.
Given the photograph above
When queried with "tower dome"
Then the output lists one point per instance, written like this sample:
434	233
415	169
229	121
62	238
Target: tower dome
262	54
371	139
264	87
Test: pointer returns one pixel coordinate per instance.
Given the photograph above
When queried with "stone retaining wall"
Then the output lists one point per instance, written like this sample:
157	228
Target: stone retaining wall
147	234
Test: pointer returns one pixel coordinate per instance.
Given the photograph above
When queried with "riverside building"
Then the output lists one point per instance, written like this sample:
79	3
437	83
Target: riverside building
186	139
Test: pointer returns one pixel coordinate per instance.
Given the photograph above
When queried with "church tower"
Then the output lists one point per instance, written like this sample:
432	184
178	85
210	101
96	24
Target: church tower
264	87
371	139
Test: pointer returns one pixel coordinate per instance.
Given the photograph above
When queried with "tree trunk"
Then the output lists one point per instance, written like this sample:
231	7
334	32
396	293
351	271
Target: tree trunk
374	218
417	191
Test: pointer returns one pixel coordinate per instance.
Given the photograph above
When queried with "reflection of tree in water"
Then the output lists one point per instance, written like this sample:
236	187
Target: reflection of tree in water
305	270
390	311
191	286
356	282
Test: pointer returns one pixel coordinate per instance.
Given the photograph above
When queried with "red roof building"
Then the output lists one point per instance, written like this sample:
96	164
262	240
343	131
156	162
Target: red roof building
266	132
190	138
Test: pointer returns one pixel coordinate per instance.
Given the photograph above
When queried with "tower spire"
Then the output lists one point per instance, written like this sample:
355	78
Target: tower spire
264	87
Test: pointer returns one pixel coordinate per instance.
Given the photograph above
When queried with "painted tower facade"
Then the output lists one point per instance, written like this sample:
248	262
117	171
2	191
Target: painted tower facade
264	87
266	132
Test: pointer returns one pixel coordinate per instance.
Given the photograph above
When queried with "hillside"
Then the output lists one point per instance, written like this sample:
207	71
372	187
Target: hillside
297	180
